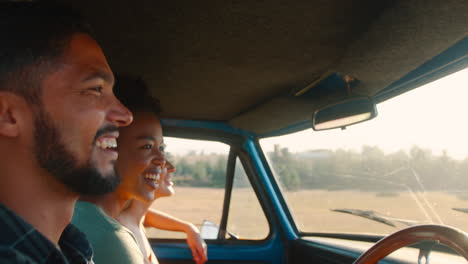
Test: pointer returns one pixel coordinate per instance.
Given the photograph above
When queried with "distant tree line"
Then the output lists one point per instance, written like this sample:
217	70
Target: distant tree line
200	170
369	169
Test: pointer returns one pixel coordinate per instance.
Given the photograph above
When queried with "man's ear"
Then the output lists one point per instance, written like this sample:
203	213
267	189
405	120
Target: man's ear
9	126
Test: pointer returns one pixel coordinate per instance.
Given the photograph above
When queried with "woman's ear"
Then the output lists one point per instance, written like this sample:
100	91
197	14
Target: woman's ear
9	114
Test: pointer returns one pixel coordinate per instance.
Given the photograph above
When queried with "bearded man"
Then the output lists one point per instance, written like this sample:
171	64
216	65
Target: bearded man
59	123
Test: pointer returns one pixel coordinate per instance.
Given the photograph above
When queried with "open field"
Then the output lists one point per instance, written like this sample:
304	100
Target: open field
311	209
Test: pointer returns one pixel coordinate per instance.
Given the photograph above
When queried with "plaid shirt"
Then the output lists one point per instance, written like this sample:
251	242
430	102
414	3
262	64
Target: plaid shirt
22	243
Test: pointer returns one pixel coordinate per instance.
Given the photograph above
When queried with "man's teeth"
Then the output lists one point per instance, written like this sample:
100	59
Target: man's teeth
151	176
106	143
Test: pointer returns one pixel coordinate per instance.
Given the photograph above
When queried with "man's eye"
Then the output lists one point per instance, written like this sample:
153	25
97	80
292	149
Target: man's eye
94	90
97	89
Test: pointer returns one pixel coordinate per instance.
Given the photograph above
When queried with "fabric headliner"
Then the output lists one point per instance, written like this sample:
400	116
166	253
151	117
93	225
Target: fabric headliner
237	61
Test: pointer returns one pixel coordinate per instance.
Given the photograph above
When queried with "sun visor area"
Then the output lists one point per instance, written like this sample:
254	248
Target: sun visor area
277	113
403	38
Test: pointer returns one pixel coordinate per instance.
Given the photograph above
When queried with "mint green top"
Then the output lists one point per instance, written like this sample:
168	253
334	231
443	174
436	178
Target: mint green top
111	241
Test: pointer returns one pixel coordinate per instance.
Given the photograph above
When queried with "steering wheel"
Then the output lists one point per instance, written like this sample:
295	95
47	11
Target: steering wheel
452	237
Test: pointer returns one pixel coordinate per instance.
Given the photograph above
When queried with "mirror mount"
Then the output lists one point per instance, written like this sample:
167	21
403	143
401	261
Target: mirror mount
352	110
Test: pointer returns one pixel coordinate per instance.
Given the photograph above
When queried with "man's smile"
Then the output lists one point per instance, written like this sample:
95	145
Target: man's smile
107	143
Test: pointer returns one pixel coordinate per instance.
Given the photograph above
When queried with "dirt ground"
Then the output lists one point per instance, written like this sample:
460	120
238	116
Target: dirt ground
311	210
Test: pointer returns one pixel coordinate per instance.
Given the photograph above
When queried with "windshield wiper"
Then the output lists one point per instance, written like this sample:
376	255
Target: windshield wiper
463	210
372	215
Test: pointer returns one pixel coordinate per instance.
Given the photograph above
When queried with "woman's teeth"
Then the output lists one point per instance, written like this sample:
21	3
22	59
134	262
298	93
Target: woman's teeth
152	179
106	143
152	176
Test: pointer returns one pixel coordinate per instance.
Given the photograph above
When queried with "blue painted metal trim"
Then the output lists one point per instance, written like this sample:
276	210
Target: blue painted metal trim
272	251
215	125
454	57
345	252
290	231
336	250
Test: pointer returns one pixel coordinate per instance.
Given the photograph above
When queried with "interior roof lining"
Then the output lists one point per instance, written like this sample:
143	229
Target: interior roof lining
422	29
236	61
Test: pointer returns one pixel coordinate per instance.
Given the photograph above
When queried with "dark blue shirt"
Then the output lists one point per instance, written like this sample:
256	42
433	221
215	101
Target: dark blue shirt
20	242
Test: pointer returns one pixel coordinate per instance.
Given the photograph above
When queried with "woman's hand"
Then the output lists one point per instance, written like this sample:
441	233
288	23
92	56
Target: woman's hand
196	244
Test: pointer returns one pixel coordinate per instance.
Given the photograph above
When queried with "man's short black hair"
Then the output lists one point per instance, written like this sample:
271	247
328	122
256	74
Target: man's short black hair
134	94
33	34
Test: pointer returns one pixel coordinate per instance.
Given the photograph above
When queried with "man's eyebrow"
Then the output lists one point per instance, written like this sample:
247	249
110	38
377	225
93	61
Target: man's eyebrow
109	78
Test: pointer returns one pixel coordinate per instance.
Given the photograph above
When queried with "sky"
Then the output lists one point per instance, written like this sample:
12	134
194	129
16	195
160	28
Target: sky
433	116
177	146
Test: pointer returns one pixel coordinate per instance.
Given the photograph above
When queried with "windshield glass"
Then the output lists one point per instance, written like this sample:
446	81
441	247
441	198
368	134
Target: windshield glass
407	166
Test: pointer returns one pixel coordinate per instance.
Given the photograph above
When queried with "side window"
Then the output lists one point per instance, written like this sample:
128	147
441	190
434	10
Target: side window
199	183
200	189
246	217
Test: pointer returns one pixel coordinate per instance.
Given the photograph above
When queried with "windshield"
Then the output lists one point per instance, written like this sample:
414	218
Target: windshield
407	166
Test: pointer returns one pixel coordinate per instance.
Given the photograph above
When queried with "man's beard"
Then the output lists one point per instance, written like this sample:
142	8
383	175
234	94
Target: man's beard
54	157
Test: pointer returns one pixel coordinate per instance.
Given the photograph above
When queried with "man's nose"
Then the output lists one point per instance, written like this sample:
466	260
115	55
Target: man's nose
119	114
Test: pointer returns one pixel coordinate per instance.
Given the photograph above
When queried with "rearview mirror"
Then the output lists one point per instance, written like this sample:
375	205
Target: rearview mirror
345	113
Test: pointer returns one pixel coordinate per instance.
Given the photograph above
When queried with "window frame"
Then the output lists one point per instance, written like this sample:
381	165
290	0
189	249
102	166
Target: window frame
236	145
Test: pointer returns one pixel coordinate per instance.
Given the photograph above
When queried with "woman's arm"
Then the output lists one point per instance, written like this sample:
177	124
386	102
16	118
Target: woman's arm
164	221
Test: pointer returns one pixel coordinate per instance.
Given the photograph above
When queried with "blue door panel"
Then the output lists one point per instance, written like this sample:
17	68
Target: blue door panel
271	252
